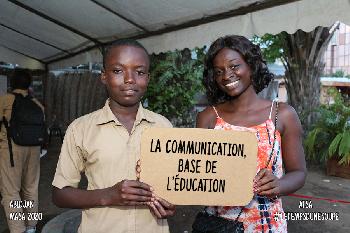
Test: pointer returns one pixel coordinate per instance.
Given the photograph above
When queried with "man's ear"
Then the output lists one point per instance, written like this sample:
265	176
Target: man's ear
103	77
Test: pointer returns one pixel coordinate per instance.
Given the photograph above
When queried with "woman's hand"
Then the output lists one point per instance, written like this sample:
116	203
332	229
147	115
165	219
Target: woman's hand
266	184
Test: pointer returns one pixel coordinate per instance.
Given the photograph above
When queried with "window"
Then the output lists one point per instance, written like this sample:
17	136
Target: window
341	50
341	38
347	38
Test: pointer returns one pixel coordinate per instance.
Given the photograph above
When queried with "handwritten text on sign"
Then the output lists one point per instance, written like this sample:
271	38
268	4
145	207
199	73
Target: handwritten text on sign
199	166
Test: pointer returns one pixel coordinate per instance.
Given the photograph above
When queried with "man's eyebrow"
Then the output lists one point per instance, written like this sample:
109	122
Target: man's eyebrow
141	66
115	64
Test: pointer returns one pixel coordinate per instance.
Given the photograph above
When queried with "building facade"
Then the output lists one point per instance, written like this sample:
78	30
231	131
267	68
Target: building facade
337	56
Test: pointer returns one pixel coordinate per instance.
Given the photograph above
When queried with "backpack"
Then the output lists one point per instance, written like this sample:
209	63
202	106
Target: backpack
27	123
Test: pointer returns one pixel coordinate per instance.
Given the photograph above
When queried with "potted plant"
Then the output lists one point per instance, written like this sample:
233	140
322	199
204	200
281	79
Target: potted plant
329	139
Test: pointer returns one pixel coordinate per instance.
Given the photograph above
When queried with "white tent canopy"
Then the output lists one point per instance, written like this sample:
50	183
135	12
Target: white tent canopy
35	33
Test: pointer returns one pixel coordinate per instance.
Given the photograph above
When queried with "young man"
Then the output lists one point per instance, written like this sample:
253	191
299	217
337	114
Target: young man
105	145
19	173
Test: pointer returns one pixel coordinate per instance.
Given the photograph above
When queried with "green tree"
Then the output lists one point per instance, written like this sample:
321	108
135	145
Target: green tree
175	82
339	73
330	135
301	54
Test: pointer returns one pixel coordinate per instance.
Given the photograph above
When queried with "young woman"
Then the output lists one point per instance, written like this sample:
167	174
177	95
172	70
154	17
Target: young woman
234	73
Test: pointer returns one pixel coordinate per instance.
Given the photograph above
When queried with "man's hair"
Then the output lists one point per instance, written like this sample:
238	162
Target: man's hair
260	75
21	79
122	42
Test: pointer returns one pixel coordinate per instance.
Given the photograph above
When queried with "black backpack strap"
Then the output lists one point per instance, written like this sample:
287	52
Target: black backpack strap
17	96
8	140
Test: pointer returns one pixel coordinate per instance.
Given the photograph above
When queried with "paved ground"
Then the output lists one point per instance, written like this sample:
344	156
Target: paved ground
317	185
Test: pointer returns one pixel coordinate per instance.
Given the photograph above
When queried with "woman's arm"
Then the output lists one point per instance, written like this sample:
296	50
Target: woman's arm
293	158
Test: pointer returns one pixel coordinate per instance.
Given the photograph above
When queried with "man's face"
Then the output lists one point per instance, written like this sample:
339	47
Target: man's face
126	74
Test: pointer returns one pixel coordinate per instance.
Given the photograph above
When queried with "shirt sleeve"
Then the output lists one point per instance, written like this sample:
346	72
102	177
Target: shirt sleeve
163	121
167	123
70	163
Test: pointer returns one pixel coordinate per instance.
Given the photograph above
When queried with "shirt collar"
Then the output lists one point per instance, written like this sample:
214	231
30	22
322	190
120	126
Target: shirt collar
107	115
20	91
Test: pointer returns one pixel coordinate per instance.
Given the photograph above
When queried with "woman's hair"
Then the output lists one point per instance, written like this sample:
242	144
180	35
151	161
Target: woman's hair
251	54
122	42
21	79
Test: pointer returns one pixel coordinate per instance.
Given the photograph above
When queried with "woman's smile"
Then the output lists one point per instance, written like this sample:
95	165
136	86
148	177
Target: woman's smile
232	84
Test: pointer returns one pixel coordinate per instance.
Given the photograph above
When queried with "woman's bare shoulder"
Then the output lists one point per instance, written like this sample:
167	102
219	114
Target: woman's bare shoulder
206	119
289	118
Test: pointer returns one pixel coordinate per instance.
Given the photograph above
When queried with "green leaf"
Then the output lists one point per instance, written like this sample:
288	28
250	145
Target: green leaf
333	147
345	160
175	80
344	146
310	142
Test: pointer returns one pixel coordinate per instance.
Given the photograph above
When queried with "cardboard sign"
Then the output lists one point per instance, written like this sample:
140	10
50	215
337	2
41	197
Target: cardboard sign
199	166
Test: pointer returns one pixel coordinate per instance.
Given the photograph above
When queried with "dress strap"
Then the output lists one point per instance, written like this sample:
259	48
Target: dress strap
273	101
216	112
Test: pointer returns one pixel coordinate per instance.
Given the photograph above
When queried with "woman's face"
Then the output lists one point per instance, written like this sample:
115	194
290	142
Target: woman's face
232	74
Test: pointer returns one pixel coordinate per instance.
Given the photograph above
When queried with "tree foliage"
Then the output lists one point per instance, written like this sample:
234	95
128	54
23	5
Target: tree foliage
272	46
175	81
330	135
301	54
338	74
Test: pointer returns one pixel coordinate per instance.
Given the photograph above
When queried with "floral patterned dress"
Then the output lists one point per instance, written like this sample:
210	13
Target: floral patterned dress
259	214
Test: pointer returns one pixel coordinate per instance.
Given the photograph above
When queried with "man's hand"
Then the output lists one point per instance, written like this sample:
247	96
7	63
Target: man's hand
128	192
138	170
160	208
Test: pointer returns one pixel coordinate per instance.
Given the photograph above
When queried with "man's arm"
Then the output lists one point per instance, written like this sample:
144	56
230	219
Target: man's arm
72	163
126	192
